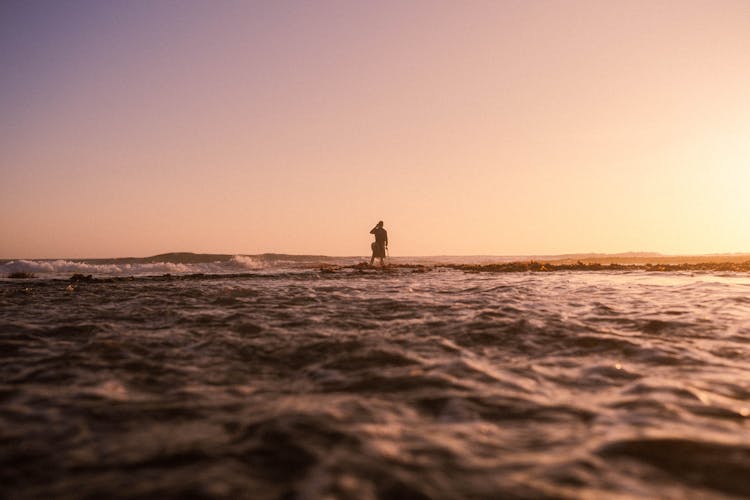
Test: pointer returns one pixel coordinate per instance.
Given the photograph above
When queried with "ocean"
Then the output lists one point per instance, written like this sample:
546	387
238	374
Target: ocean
286	377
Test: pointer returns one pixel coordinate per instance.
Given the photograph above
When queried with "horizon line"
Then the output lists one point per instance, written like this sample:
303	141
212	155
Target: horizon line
640	253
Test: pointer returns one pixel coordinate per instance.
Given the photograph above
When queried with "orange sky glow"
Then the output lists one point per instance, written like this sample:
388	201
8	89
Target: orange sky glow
494	128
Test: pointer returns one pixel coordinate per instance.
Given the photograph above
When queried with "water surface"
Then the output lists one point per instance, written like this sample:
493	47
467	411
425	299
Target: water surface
369	384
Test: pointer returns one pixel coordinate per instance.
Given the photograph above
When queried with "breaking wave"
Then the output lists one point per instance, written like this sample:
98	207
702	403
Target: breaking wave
52	268
247	262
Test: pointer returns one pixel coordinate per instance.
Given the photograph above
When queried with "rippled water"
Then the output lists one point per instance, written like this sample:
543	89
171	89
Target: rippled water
364	384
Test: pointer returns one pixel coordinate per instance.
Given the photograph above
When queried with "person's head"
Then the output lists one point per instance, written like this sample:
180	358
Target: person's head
380	224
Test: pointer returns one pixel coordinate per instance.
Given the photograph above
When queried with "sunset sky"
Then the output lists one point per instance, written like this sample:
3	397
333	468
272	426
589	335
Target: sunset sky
131	128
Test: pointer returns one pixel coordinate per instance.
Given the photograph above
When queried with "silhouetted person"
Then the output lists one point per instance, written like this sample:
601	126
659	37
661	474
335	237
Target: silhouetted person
380	244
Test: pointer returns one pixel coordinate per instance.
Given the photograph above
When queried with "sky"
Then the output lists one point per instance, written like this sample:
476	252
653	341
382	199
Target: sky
470	128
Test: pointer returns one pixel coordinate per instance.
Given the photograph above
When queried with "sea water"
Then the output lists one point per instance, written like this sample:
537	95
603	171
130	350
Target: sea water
357	383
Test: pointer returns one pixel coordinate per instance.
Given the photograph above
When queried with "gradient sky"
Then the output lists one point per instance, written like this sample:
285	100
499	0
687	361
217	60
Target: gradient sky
130	128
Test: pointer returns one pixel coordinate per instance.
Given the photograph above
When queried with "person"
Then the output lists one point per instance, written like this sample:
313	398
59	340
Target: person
380	244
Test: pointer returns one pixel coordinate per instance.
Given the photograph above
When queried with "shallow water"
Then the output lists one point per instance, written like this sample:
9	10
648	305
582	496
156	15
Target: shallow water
364	384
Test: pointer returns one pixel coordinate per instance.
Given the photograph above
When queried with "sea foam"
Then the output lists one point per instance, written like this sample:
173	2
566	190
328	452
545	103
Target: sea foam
52	268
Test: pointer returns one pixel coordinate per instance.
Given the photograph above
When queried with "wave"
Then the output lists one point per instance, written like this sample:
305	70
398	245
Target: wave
51	268
197	263
171	263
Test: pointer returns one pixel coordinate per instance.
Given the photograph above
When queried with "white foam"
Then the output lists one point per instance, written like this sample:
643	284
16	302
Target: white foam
247	262
49	268
70	266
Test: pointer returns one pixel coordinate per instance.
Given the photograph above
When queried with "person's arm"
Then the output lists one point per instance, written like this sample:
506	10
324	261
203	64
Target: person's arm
373	230
386	238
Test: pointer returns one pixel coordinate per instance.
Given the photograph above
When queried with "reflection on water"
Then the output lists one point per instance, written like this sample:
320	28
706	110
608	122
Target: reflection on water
364	384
